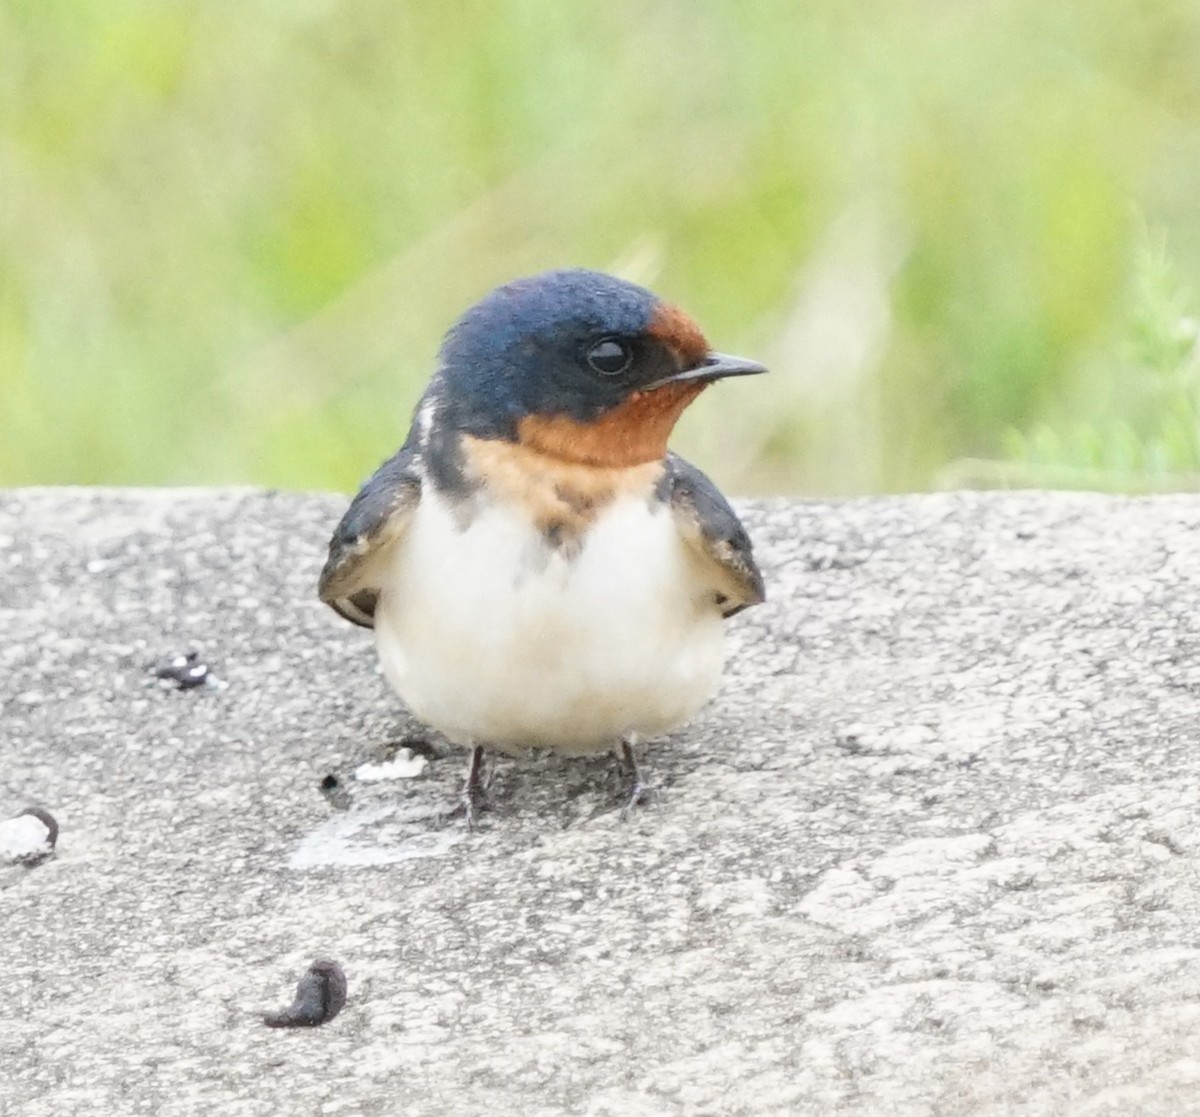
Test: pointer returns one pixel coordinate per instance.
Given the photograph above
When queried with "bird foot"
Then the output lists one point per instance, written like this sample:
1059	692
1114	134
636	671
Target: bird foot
641	792
640	795
469	807
473	799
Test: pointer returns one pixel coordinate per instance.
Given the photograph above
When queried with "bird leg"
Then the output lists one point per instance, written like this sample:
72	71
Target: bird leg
640	792
473	799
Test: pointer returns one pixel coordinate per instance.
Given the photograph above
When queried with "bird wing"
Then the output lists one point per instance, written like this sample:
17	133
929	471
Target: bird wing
715	533
376	518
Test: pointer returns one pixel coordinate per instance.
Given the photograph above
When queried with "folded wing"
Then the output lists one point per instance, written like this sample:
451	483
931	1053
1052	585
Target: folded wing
713	530
376	518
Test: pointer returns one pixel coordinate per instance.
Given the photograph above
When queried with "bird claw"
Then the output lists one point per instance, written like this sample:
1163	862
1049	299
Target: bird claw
640	795
469	807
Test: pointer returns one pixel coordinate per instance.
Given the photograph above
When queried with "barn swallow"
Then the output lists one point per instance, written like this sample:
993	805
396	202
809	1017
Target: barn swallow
538	567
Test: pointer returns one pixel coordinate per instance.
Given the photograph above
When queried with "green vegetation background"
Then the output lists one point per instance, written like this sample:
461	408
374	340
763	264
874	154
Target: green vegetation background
965	235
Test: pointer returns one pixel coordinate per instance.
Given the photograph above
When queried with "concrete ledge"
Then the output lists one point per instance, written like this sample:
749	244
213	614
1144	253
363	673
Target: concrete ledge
932	851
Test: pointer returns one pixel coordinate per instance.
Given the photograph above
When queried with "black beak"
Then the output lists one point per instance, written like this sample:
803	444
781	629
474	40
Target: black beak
716	366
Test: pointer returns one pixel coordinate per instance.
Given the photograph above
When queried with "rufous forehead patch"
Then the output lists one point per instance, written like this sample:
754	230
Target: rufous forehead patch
676	328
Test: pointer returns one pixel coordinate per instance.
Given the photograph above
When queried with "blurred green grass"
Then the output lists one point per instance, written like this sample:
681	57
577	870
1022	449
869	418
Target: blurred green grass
965	236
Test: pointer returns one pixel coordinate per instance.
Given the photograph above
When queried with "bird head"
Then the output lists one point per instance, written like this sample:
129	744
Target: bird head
577	365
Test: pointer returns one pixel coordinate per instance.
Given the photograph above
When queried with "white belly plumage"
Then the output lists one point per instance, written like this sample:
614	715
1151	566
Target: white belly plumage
493	638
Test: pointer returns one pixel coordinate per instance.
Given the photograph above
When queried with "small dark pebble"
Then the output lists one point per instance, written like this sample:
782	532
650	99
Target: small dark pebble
184	670
335	792
320	996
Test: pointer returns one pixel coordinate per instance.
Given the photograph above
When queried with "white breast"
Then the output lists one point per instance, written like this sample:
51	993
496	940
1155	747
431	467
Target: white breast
493	638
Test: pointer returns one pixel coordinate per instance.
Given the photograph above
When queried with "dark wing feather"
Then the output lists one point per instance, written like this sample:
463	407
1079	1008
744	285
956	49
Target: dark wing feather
376	518
714	531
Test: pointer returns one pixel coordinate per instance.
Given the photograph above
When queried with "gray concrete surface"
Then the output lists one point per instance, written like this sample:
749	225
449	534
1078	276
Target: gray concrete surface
933	849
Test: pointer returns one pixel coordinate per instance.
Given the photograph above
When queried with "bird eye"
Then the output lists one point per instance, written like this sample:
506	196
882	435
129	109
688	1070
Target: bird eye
609	356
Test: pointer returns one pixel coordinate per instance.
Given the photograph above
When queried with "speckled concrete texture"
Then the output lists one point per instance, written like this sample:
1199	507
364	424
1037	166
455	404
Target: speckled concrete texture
932	850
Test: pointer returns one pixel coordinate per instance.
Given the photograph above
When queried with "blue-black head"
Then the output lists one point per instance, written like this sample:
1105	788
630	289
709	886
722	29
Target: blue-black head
579	352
